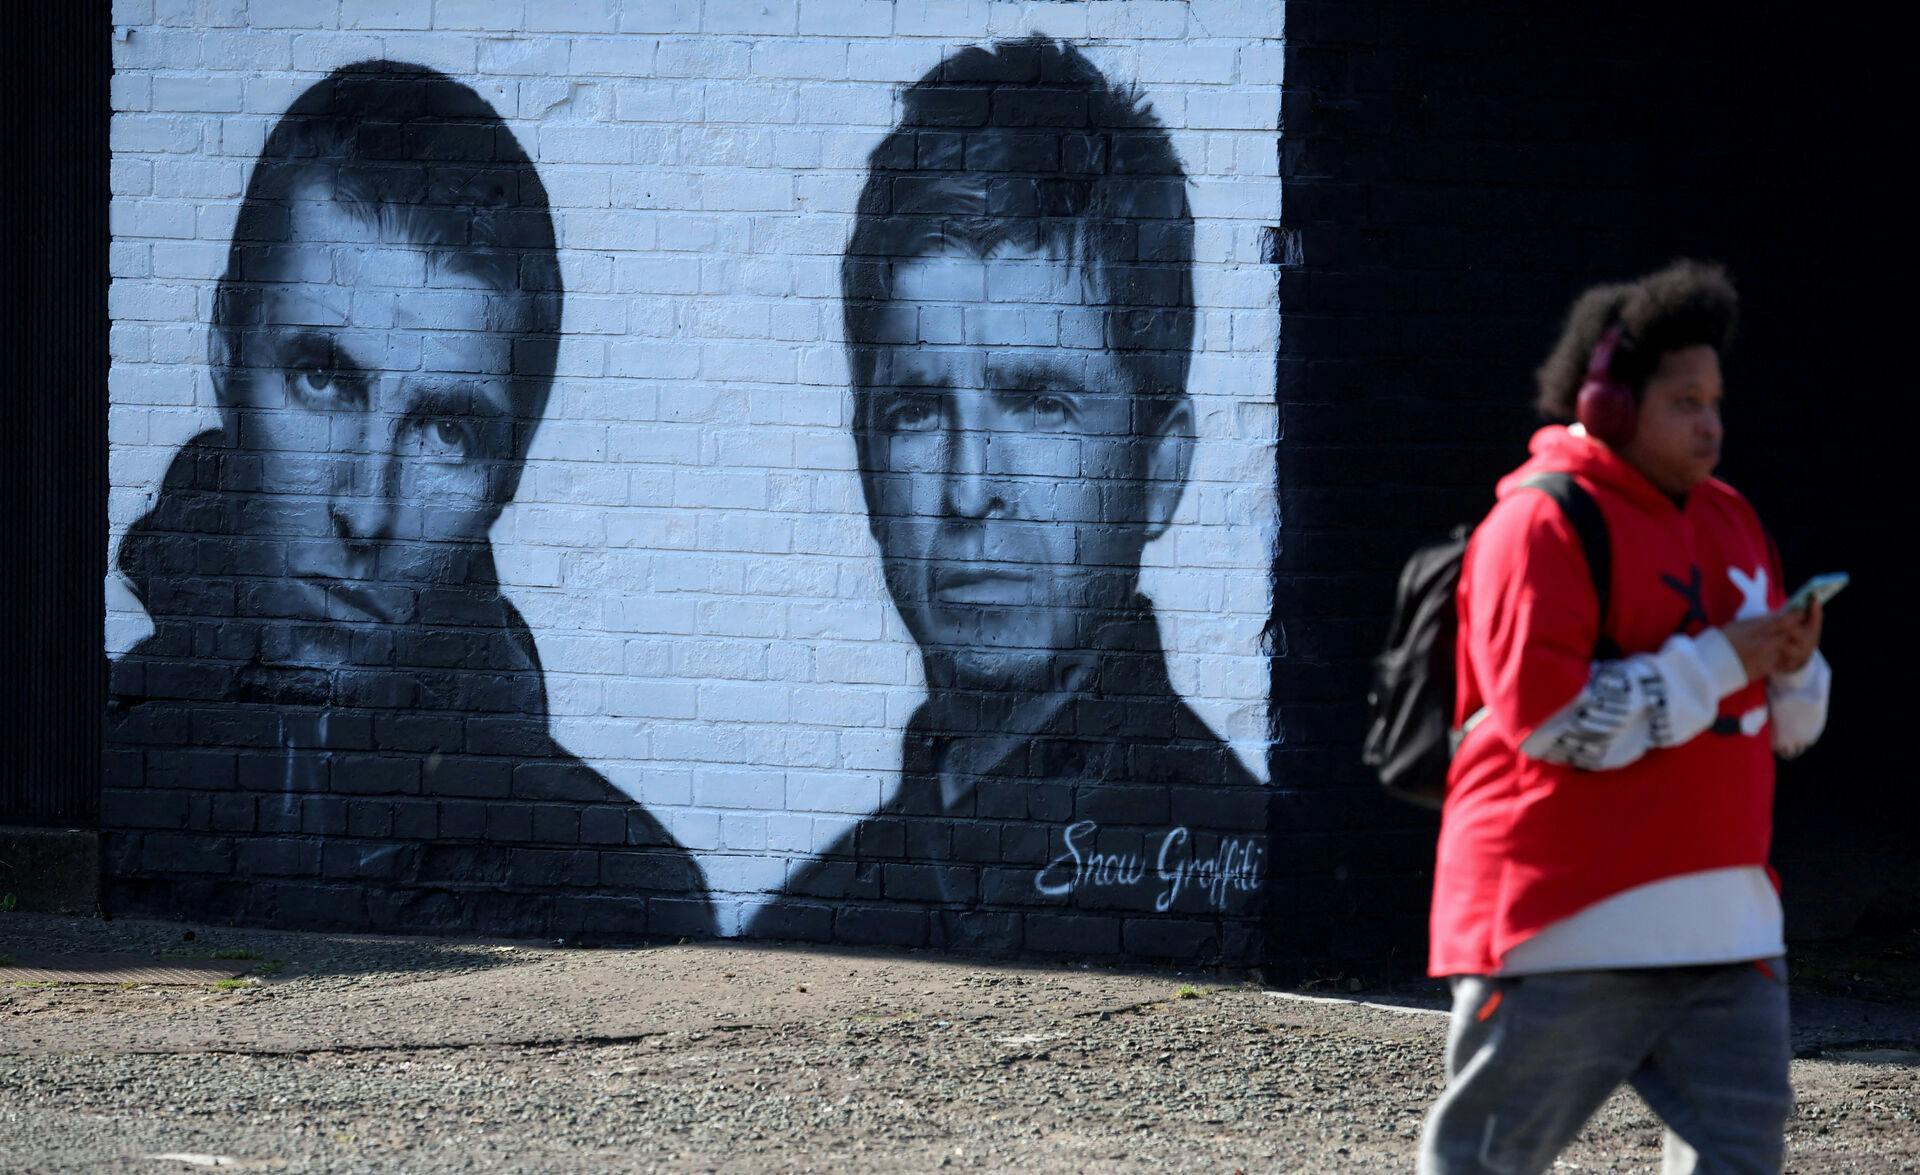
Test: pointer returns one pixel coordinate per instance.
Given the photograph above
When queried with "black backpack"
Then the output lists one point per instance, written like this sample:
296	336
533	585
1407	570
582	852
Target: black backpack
1410	737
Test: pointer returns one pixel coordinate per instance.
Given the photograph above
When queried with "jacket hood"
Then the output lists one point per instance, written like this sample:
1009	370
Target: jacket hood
1560	448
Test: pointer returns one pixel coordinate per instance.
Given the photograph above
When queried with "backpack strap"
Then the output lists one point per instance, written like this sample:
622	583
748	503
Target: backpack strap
1583	514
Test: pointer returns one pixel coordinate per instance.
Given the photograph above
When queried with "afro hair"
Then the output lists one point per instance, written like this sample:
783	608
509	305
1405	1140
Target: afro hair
1689	303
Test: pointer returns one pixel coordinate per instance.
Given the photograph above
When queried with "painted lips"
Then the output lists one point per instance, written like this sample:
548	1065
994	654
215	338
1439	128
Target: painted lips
978	583
338	599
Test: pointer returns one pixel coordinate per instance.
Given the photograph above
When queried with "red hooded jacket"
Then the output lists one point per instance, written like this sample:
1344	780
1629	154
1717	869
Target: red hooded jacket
1526	842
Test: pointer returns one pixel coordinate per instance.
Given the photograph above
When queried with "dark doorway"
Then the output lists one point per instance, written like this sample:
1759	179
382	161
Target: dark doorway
56	68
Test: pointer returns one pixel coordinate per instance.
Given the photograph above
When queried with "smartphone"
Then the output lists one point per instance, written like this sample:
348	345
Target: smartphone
1820	587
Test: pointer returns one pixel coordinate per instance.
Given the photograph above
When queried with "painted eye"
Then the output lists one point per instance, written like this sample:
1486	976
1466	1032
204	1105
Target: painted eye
912	414
445	438
1050	410
316	384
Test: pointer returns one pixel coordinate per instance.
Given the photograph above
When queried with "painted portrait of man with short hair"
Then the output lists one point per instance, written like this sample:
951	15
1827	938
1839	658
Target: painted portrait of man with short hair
338	704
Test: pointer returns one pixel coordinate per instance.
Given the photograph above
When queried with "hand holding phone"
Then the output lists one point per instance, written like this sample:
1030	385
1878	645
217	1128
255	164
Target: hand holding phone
1820	587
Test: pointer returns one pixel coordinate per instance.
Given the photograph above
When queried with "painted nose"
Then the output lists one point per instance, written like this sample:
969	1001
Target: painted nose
365	487
969	490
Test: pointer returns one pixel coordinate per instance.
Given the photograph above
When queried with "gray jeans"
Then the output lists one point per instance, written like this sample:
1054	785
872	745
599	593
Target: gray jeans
1530	1058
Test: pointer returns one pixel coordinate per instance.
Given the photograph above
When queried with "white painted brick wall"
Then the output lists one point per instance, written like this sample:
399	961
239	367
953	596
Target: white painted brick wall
689	544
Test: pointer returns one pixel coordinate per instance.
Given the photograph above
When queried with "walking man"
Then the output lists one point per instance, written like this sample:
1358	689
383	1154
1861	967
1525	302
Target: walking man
1601	897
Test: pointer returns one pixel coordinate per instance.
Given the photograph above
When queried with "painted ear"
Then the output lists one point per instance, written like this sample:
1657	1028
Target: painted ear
1169	458
220	358
870	492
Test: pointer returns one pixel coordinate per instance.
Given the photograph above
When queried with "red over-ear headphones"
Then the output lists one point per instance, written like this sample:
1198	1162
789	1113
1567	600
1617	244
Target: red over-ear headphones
1606	407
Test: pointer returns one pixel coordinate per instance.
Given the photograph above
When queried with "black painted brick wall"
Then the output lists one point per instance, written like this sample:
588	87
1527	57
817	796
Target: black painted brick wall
1454	173
53	425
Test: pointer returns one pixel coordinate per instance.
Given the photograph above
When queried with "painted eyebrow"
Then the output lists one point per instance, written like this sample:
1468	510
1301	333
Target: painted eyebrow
316	348
459	399
305	346
1037	373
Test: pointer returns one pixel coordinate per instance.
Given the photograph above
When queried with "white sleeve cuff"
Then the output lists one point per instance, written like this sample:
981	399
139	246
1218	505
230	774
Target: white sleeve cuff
1723	665
1799	704
1801	678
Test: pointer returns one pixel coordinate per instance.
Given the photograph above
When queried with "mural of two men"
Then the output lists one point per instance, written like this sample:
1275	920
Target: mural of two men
340	717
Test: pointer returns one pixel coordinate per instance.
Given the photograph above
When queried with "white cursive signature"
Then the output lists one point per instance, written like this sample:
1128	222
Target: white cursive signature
1235	865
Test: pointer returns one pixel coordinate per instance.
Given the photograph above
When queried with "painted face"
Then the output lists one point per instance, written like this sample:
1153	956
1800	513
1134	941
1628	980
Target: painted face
1005	479
1676	439
373	400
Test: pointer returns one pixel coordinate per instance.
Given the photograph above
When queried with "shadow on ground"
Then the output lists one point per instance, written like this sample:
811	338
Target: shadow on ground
278	951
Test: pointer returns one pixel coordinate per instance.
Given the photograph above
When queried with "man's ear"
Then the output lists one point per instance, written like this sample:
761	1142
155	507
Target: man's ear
1169	457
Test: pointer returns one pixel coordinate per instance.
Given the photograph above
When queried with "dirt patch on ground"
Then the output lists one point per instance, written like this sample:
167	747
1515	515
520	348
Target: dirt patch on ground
353	1053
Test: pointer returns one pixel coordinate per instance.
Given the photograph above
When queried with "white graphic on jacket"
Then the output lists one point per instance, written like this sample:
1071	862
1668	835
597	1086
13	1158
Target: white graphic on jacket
1753	592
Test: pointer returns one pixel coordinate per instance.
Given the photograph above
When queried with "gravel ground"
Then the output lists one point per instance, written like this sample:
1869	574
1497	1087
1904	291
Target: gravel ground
360	1054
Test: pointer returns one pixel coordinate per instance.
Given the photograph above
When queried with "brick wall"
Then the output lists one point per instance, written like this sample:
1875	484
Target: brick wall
1455	174
1448	192
54	500
688	543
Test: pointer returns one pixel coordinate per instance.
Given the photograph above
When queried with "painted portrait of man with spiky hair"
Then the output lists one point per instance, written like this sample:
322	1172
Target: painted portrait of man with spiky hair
1019	308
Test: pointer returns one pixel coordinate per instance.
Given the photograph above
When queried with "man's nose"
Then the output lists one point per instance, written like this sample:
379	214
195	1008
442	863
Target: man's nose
1712	425
969	489
366	483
